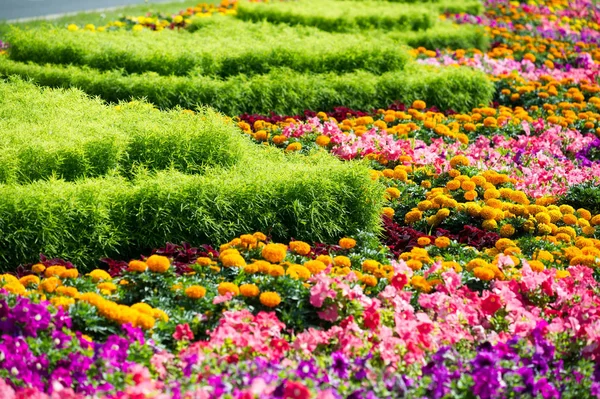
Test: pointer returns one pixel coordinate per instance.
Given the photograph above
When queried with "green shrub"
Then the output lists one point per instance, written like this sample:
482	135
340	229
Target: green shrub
315	198
221	46
281	91
445	36
341	16
65	134
474	7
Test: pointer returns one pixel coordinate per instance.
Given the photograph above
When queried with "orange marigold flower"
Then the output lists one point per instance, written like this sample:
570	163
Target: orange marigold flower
226	287
249	290
315	266
98	275
158	263
38	268
29	280
274	253
323	141
300	247
270	299
195	292
418	104
347	243
137	266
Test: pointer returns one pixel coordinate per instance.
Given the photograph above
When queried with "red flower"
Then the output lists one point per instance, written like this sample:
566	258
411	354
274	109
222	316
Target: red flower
372	317
491	304
183	331
399	281
295	390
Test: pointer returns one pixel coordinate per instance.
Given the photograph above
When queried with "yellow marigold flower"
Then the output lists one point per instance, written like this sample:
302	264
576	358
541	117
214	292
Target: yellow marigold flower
72	27
347	243
226	287
420	283
69	273
38	268
107	286
414	264
562	274
507	230
536	265
468	185
489	224
487	213
137	266
483	273
249	239
195	292
442	214
67	291
423	241
143	308
294	147
326	259
368	280
570	219
391	193
471	195
589	230
50	284
15	287
160	314
261	135
298	272
260	236
249	290
477	262
459	160
259	266
274	253
323	140
504	243
29	280
566	209
388	212
342	261
584	213
300	247
144	321
413	216
54	271
158	263
370	265
543	217
453	185
233	260
315	266
270	299
62	302
99	275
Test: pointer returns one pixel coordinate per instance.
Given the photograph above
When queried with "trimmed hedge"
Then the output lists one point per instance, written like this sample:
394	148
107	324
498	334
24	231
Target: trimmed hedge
281	91
473	7
314	198
65	134
445	36
221	46
342	16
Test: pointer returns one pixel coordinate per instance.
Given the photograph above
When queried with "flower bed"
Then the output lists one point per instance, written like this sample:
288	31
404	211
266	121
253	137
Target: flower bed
468	263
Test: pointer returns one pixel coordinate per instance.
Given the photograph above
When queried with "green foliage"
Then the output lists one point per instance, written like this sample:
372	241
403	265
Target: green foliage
281	91
60	133
314	198
444	36
473	7
341	16
220	46
584	195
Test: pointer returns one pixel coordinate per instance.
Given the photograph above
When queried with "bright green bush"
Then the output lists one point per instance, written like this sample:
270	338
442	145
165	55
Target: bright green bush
313	199
281	91
342	16
474	7
443	36
221	46
68	135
